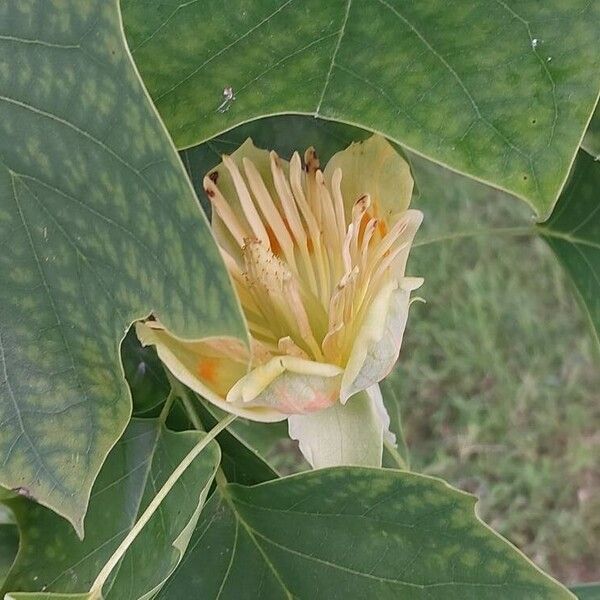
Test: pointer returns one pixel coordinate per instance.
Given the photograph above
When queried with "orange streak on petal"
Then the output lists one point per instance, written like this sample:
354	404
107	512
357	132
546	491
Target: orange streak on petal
207	369
310	246
367	216
275	245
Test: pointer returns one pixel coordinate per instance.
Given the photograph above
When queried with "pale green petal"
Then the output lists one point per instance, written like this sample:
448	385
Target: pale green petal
377	344
183	358
350	434
373	167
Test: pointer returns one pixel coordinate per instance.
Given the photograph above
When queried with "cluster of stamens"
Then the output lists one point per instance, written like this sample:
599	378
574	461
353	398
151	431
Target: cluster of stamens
306	267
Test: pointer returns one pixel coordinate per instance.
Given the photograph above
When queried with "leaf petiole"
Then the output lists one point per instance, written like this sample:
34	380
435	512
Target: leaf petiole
164	413
96	589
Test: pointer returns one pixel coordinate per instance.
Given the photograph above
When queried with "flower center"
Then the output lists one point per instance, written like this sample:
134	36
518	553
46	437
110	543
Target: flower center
306	262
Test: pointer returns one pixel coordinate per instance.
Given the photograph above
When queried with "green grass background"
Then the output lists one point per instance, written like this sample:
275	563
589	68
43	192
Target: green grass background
499	375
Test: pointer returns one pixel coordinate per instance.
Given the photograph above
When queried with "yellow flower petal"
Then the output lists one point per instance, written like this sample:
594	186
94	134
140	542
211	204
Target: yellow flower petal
209	367
375	168
224	181
290	384
377	344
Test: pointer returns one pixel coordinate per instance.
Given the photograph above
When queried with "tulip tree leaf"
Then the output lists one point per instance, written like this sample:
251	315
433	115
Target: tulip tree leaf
573	233
587	591
98	226
46	596
52	559
145	376
394	456
241	463
591	140
353	533
9	544
498	90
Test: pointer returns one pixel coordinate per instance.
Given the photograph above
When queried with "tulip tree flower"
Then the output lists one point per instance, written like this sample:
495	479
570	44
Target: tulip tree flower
318	259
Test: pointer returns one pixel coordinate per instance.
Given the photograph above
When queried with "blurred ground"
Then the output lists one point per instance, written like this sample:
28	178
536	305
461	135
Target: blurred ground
500	381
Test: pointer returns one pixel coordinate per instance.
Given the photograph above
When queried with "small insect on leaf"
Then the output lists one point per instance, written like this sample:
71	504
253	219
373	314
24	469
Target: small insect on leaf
228	98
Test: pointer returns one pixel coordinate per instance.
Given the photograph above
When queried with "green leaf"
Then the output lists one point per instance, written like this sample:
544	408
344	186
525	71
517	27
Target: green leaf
46	596
53	559
99	226
498	90
591	139
240	462
145	376
394	456
9	544
586	591
266	443
573	233
352	533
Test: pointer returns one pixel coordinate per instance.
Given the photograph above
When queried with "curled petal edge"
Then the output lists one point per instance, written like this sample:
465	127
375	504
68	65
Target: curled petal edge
377	344
168	355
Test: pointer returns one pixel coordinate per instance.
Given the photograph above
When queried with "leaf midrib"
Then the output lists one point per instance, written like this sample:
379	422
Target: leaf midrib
250	531
254	534
567	237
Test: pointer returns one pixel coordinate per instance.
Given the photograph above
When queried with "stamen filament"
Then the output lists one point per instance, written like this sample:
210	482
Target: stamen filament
271	214
306	274
246	202
224	211
291	212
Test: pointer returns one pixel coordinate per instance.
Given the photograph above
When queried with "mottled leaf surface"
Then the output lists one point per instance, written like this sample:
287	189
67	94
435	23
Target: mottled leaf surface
52	559
351	533
573	233
98	226
500	90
